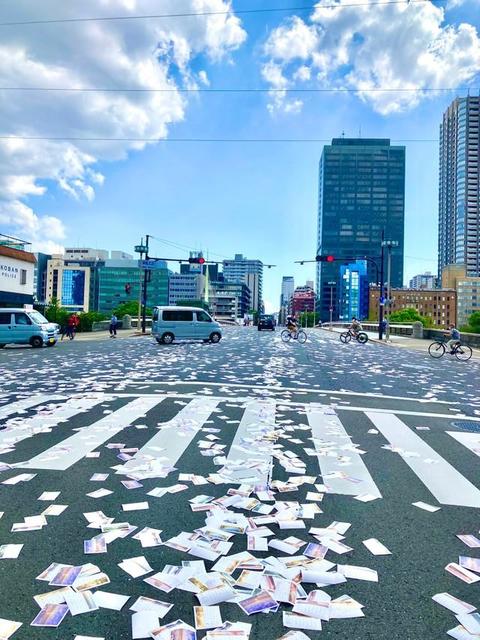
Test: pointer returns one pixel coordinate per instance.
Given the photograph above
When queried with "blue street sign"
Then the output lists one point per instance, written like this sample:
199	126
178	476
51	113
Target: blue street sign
151	264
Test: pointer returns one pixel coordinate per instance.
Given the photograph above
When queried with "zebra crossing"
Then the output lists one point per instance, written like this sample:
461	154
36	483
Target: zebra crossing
341	464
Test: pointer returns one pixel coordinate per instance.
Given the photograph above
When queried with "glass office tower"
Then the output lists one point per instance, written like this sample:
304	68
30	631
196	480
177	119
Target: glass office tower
361	195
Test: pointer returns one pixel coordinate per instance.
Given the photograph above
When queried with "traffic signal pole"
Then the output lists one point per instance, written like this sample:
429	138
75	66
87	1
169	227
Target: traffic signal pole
145	285
380	297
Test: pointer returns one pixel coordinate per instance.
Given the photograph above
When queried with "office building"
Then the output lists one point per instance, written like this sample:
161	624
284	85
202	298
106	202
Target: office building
354	288
468	291
229	299
423	281
459	187
186	286
361	196
248	271
17	268
438	304
40	278
69	284
288	287
303	300
121	281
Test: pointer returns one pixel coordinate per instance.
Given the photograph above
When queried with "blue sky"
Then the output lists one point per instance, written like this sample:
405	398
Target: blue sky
252	198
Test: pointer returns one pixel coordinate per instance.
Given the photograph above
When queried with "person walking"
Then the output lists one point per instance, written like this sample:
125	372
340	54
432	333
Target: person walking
113	326
72	326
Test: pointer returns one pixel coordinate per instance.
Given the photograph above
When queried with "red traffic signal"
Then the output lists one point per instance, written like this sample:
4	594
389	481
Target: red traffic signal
325	258
196	260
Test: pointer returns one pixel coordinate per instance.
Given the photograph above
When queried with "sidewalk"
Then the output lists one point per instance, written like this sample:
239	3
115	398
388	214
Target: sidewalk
404	342
104	335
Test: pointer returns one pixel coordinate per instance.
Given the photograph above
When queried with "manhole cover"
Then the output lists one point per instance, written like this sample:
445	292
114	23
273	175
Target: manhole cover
472	427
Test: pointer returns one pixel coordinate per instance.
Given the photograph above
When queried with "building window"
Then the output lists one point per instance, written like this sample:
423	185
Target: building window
23	276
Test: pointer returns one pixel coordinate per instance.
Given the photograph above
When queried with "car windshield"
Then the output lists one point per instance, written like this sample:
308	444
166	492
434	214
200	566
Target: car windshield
37	317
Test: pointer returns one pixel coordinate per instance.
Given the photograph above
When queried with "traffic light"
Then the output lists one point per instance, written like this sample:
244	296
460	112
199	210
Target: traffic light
128	288
196	260
325	258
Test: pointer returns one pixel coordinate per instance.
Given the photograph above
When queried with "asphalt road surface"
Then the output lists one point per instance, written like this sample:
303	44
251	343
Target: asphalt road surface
325	418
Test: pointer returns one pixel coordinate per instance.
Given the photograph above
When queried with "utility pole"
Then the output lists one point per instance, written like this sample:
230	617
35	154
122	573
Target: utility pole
380	297
331	285
140	290
389	244
145	286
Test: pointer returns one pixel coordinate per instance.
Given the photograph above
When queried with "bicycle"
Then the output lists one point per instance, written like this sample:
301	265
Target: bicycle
298	335
360	337
461	351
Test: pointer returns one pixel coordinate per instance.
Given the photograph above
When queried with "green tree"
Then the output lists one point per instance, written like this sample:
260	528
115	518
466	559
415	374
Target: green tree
55	313
129	309
473	325
200	304
308	318
409	315
87	319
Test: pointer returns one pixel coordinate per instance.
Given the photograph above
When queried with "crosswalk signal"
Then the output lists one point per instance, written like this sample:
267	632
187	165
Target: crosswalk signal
196	260
325	258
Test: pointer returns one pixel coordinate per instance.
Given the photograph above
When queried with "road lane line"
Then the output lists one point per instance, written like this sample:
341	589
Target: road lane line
48	419
247	447
441	479
167	443
21	405
66	453
330	435
469	440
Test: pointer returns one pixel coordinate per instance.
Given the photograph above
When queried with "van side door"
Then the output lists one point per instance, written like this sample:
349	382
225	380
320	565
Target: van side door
22	327
203	326
6	333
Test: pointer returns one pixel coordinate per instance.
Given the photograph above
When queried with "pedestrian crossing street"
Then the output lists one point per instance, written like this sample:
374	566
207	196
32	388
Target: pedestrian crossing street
342	465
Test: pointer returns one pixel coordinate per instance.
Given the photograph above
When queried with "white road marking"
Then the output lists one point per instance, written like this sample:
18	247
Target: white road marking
469	440
327	429
49	419
258	417
167	442
21	405
441	479
69	451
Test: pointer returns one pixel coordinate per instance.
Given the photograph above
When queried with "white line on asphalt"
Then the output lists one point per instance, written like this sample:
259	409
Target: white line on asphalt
441	479
48	419
167	442
327	429
259	415
66	453
277	388
469	440
21	405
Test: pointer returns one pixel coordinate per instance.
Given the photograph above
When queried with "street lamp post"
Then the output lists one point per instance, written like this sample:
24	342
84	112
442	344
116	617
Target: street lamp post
331	285
389	244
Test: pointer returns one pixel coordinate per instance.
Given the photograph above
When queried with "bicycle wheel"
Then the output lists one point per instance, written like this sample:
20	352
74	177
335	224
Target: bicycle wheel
362	338
345	337
302	337
436	349
463	352
286	336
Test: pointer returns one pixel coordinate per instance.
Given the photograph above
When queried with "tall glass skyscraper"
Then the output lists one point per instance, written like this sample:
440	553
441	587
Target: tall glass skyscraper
361	195
459	188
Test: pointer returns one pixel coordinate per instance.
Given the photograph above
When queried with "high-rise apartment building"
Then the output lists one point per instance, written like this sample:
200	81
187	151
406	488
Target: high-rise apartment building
459	188
423	281
361	197
249	272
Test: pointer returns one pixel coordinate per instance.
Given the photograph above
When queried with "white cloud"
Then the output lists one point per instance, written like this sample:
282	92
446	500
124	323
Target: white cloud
394	46
138	54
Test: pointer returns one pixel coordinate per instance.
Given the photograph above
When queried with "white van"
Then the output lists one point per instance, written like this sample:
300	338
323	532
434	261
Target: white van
24	326
184	323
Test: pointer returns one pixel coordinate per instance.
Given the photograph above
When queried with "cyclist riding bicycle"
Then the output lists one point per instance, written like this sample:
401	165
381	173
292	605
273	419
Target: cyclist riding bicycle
355	327
292	324
454	338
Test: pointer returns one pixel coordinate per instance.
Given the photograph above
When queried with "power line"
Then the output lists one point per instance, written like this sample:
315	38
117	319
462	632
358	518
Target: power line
195	140
212	13
239	90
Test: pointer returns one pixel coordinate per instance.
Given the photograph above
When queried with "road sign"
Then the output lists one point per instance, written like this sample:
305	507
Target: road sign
151	264
141	248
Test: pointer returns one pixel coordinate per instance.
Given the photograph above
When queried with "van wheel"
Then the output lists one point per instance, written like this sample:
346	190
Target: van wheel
51	344
215	338
36	342
168	338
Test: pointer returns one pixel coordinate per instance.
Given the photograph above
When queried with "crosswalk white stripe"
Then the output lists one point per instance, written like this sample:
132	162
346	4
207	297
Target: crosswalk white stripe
69	451
327	428
21	405
469	440
258	416
167	443
45	420
441	479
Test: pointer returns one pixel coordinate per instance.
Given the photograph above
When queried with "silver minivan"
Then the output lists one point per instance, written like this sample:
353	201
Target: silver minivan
184	323
24	326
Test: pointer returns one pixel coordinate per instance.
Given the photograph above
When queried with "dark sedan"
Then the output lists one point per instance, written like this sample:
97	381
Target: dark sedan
266	323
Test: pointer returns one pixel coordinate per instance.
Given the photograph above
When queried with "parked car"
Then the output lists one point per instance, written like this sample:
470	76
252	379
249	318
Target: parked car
266	323
19	326
184	323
